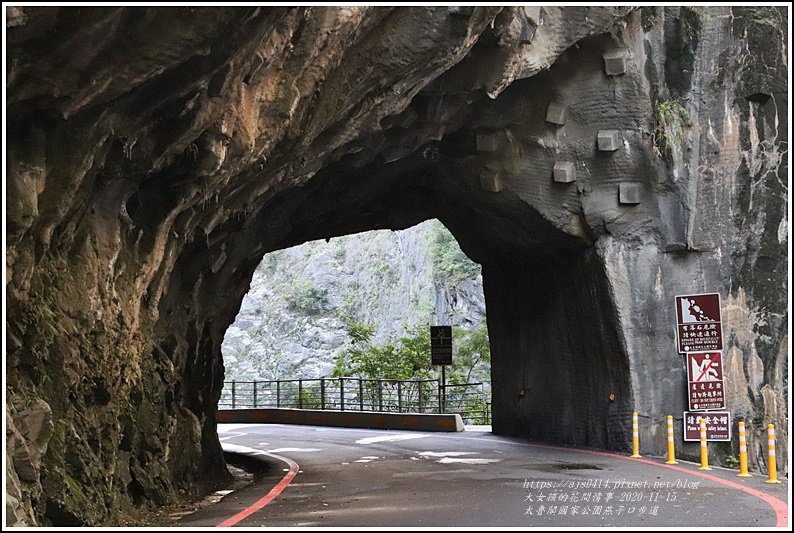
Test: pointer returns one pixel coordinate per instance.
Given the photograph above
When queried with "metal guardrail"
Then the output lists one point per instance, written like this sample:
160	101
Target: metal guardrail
358	394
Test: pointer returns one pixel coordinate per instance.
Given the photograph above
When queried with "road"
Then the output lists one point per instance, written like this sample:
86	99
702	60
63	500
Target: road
350	477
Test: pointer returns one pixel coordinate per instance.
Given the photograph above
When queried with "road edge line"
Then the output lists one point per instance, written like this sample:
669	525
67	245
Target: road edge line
778	506
272	494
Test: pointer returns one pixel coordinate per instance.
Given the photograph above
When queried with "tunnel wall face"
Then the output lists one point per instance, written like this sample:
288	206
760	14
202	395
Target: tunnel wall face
557	355
153	160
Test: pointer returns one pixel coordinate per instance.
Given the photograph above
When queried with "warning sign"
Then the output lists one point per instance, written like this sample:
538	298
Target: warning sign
441	345
718	425
706	385
699	323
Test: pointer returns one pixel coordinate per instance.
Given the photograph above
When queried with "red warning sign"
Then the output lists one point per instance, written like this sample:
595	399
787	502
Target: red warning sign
699	323
705	377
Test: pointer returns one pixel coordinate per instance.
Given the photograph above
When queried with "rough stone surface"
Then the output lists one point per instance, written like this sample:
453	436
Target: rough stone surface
153	160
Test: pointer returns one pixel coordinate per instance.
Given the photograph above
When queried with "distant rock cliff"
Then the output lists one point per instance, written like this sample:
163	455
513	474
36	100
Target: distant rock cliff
291	322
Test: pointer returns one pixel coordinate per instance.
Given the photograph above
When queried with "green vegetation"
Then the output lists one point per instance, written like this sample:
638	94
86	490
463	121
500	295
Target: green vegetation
409	356
309	399
307	298
672	120
450	264
730	462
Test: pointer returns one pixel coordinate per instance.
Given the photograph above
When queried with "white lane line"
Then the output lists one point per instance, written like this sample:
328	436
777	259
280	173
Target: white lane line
390	438
362	460
445	454
370	457
468	460
302	450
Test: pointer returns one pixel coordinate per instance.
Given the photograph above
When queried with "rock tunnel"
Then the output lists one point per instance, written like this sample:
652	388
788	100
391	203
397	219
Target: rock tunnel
595	161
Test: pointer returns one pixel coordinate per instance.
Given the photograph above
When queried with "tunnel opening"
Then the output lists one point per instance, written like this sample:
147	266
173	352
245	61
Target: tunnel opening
559	368
344	324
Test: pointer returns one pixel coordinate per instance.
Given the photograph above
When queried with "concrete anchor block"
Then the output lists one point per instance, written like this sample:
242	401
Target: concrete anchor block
556	113
629	193
491	182
608	140
487	141
615	63
564	172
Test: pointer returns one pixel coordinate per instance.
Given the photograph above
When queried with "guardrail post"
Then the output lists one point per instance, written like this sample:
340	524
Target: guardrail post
255	382
278	393
772	457
421	407
322	393
360	394
400	396
341	394
233	394
380	395
743	452
670	442
704	446
635	435
300	394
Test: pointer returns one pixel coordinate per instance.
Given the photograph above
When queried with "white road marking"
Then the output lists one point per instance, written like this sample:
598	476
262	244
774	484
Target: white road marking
226	428
362	460
434	472
231	436
468	460
370	457
279	450
445	454
389	438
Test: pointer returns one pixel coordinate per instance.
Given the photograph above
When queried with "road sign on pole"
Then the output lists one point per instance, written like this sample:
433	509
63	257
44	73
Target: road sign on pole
441	345
706	384
718	425
699	323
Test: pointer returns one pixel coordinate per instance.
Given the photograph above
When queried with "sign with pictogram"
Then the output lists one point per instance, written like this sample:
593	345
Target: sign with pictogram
705	378
699	324
718	425
441	345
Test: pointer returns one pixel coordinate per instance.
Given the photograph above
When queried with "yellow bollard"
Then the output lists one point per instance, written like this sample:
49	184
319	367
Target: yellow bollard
743	452
772	459
704	446
635	435
670	443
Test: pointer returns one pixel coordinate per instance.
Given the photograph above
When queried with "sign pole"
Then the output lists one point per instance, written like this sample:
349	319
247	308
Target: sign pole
444	388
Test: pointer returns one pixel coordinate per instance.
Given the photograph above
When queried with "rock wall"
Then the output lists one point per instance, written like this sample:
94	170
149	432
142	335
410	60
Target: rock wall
596	161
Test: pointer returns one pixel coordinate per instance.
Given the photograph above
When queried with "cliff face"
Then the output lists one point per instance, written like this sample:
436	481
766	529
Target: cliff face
156	154
292	320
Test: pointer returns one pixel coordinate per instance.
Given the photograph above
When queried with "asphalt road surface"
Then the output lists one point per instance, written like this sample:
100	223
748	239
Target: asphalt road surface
352	477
